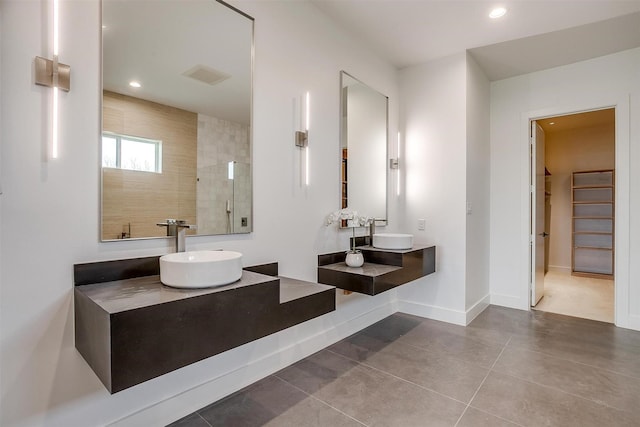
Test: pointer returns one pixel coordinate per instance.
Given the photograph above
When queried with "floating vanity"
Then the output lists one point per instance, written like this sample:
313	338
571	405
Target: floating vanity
383	269
131	328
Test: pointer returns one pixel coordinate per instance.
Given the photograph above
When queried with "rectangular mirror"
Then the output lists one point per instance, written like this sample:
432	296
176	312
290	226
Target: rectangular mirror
363	148
176	117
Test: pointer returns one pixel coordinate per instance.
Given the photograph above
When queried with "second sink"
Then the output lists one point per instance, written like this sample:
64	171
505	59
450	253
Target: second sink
392	241
200	269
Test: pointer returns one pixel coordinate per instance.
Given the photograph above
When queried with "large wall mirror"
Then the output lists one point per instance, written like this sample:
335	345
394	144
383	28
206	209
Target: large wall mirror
176	117
363	148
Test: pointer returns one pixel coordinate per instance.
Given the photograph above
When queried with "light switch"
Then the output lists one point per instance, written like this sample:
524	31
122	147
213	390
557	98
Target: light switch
421	224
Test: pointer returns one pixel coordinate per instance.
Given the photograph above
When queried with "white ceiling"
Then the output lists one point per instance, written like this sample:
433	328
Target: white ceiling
533	35
579	121
156	42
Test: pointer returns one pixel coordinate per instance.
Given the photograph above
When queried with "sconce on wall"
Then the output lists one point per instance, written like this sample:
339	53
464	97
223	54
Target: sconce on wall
51	73
302	141
302	138
394	164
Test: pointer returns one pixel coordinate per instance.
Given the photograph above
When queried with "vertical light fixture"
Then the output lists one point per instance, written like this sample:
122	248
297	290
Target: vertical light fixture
230	167
54	125
302	139
394	163
398	168
53	74
306	150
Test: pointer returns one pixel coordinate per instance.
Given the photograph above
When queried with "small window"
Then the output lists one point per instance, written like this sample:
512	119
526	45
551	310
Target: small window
131	153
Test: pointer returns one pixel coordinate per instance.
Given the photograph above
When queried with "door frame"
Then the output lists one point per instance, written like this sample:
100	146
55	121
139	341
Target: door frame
622	316
533	206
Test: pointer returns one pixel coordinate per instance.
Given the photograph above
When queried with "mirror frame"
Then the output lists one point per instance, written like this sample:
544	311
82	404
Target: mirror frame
251	116
343	137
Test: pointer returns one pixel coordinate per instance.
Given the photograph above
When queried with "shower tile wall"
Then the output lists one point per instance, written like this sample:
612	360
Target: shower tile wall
219	142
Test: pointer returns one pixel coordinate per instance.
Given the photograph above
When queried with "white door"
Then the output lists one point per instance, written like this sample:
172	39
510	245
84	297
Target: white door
538	234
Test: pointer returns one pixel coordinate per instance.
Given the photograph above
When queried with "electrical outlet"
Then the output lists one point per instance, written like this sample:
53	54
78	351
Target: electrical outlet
243	221
421	224
469	208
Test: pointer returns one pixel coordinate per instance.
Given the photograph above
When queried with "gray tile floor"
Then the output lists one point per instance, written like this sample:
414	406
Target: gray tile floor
507	368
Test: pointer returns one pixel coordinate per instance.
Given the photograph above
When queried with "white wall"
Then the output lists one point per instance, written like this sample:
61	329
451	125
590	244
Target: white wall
50	210
572	150
433	116
606	81
478	165
445	117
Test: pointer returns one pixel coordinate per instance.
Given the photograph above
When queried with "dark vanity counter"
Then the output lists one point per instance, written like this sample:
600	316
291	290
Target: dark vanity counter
130	294
383	269
135	329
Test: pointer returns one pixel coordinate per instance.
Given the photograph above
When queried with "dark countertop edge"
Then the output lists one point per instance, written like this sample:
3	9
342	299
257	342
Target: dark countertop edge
305	289
357	270
154	283
415	248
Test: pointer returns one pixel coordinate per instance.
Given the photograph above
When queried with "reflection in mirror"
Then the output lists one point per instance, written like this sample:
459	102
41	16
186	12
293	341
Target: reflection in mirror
363	148
177	143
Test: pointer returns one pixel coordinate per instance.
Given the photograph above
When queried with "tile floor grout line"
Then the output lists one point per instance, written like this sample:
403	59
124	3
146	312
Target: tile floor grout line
397	377
454	357
204	419
483	381
484	411
523	348
320	400
565	392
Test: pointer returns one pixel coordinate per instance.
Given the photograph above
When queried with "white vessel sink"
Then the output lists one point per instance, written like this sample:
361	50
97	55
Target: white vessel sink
200	269
392	241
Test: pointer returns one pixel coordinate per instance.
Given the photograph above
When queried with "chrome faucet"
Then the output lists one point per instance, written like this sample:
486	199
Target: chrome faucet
177	228
372	229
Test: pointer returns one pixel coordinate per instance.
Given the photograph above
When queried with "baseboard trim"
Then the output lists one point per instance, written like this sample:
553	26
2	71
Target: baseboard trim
181	404
633	322
508	301
560	268
444	314
433	312
478	308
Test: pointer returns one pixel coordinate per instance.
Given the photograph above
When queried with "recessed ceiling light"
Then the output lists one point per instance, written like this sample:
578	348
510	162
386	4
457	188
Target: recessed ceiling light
498	12
134	84
552	123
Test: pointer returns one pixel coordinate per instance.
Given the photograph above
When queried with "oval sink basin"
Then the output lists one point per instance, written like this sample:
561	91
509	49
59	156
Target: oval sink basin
200	269
392	241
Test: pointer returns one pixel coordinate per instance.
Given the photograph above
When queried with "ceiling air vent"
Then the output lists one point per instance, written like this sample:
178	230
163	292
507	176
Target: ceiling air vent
205	74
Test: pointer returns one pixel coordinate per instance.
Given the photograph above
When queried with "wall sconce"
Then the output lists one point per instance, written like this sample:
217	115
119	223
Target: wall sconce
394	164
302	140
53	74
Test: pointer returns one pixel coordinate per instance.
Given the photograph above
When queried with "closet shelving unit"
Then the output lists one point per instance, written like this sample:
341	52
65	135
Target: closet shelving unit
592	197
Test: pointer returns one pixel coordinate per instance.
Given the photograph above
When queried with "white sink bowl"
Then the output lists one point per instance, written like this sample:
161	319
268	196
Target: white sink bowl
200	269
392	241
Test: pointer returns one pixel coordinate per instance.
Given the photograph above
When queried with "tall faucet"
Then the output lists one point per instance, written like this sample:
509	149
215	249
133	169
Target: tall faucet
177	228
372	229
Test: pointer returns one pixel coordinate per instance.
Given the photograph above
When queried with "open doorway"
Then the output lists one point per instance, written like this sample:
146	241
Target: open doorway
573	209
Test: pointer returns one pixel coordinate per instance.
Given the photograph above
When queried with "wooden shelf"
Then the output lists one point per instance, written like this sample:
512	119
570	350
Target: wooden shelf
597	233
579	187
599	248
592	202
591	217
